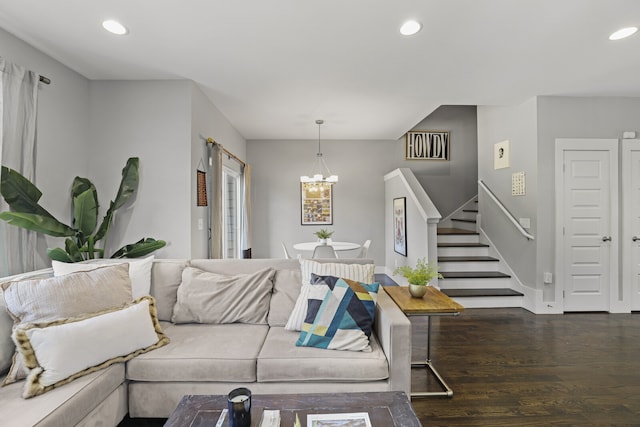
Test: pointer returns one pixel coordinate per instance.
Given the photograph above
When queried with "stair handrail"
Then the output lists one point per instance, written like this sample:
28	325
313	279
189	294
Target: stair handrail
504	210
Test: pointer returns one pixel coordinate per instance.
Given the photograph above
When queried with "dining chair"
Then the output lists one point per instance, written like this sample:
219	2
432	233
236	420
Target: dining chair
365	249
324	251
286	252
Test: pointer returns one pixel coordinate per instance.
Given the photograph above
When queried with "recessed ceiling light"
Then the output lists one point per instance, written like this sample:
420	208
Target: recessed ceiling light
623	33
114	27
409	28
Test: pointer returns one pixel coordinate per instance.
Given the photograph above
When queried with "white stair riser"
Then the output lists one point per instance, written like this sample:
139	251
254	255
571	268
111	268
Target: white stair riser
490	302
464	225
462	251
469	266
458	238
492	283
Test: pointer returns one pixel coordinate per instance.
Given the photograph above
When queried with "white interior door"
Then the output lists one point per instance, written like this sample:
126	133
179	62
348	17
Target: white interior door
587	199
631	220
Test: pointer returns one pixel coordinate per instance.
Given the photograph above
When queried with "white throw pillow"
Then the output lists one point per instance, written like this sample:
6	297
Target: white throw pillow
363	273
139	271
64	350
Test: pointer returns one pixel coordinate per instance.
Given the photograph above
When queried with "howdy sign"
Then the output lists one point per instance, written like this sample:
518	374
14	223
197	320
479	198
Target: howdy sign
425	145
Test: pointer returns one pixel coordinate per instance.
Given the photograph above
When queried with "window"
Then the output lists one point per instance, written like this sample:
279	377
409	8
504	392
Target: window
231	208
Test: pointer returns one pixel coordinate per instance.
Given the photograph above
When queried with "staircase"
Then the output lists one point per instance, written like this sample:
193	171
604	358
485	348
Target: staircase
472	276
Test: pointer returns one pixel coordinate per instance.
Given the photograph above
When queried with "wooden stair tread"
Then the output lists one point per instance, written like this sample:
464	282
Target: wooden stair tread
491	292
470	210
454	231
473	221
466	258
463	245
474	275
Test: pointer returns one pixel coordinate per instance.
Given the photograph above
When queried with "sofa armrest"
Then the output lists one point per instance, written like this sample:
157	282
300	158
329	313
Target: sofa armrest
393	330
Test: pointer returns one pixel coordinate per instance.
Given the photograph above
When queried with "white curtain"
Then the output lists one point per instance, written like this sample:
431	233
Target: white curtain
18	105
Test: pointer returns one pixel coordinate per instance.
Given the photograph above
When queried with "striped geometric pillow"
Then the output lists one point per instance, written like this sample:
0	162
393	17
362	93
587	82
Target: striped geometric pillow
340	314
363	273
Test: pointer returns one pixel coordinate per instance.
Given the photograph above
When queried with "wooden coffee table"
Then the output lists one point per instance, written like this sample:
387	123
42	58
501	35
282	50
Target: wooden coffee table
434	303
385	409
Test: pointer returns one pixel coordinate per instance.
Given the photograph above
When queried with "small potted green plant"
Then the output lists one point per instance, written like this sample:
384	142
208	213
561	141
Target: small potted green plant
418	277
323	235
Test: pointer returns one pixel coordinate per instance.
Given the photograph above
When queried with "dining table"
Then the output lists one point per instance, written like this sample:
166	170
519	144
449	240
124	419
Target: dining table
337	246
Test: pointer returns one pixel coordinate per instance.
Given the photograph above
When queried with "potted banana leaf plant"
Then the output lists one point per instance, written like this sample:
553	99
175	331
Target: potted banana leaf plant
83	236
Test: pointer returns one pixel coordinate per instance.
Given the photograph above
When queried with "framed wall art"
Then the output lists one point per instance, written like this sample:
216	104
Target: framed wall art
426	145
501	155
316	203
400	225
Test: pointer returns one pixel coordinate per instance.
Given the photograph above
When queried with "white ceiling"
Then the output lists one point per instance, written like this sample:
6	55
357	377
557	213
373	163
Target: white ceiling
275	66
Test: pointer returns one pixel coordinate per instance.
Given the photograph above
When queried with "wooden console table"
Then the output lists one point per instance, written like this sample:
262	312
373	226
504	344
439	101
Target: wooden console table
434	303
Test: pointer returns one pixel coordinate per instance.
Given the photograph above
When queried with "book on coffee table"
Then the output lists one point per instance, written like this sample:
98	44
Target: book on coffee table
354	419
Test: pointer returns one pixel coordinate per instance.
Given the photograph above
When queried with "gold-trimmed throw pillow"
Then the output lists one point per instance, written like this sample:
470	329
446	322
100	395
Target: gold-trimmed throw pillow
45	299
61	351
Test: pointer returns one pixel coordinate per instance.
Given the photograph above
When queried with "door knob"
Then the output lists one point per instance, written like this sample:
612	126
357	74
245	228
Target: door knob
635	238
606	238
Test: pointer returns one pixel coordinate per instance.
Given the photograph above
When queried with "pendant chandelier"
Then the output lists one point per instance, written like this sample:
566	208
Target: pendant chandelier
320	172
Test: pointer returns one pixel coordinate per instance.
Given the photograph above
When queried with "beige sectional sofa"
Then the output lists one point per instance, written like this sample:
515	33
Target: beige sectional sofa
213	358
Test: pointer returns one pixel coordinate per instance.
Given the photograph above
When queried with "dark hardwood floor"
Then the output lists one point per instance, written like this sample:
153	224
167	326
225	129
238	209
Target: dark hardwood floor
509	367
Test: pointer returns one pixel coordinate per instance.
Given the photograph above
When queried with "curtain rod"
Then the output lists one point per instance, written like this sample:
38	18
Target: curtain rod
45	80
227	152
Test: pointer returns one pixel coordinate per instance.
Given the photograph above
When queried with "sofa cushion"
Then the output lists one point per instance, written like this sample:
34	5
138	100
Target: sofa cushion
281	360
340	314
166	276
59	352
64	406
286	288
201	352
205	297
139	271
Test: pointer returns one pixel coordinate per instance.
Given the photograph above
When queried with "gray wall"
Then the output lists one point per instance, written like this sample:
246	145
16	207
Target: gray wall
207	121
62	130
572	117
518	125
359	204
450	184
150	120
532	128
358	198
165	123
89	129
